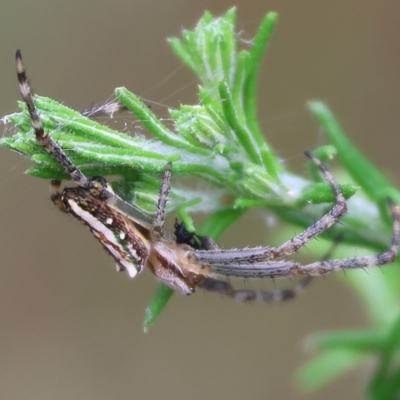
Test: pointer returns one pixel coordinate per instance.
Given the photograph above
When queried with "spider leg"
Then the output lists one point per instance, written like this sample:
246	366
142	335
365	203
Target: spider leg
42	137
280	269
158	223
268	296
329	219
387	257
99	187
258	254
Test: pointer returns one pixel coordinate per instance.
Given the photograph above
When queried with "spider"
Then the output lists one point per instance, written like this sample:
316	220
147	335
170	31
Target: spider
184	260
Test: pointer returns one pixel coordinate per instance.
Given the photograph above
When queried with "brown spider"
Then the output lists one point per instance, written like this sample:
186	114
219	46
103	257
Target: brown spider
184	260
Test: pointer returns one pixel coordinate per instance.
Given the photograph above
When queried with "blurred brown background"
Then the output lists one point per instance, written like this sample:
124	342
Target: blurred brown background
70	327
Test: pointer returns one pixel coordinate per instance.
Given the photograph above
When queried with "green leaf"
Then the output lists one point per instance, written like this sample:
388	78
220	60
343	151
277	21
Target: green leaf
156	305
327	366
361	170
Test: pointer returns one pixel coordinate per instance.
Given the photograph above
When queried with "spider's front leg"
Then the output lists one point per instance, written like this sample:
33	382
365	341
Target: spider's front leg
281	269
48	143
387	257
250	256
260	262
339	209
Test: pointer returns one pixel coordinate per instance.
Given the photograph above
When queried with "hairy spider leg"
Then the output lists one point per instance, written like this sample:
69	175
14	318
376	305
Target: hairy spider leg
282	269
158	223
225	288
259	254
48	143
267	296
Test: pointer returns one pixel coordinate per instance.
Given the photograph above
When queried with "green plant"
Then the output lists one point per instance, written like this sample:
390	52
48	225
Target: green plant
220	142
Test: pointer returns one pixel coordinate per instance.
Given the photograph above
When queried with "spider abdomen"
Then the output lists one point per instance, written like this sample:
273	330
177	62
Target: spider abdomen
115	232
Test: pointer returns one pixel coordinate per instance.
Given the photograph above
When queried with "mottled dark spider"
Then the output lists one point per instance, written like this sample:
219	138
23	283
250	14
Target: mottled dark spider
185	260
